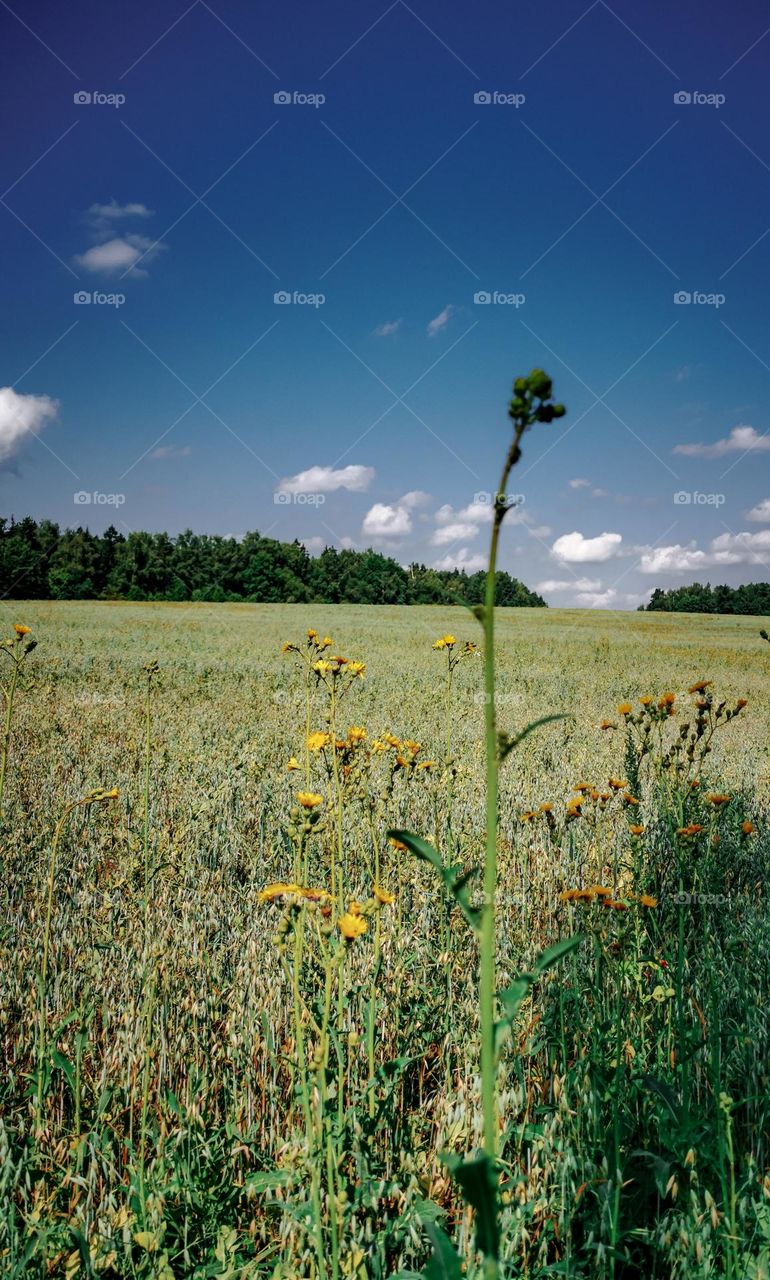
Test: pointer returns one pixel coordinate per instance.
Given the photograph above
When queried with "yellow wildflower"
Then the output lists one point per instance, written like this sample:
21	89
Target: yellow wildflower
718	799
21	630
309	799
351	926
357	668
625	709
322	667
383	896
699	686
292	764
398	844
317	740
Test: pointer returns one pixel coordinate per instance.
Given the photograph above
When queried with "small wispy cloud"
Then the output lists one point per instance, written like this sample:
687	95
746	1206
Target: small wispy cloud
387	328
326	480
165	451
117	254
441	321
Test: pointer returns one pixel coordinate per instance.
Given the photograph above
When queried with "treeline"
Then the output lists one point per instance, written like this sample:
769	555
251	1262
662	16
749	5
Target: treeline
753	597
42	561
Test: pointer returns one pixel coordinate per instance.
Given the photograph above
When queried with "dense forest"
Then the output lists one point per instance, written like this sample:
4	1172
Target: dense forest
42	561
753	597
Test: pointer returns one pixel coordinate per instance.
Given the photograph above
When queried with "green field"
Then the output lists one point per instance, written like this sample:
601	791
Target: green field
200	1083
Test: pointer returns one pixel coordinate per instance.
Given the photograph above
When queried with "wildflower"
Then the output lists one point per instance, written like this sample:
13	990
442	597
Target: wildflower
627	798
315	741
625	709
356	733
699	686
311	634
392	740
718	799
616	784
427	764
351	926
583	786
341	662
278	890
584	895
607	724
646	700
292	764
357	669
692	829
411	746
615	905
600	891
398	844
449	641
748	828
528	815
667	700
322	667
383	896
646	901
568	895
327	642
402	761
636	830
309	799
740	704
21	630
546	808
287	647
439	644
317	895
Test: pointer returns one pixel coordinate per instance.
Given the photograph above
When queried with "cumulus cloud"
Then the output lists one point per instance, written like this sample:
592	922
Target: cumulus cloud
760	514
21	417
415	498
740	440
579	483
315	545
574	548
119	255
117	252
463	558
569	584
597	599
385	521
726	549
326	480
387	328
441	321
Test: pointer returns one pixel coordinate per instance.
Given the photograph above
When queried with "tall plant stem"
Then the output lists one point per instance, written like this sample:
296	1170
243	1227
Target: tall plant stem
9	695
487	982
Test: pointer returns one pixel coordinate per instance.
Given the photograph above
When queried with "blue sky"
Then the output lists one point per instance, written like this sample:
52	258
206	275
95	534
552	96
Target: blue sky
578	196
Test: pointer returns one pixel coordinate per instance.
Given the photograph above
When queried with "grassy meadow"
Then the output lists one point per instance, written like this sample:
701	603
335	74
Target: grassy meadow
239	1022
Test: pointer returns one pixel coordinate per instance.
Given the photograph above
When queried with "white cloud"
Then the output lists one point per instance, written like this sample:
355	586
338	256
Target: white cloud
760	514
386	329
315	545
415	498
384	521
579	483
326	480
441	321
119	255
21	417
100	214
596	599
726	549
569	584
574	548
457	532
740	440
464	558
171	451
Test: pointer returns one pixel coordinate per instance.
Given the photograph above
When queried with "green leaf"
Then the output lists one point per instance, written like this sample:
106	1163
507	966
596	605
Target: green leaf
65	1066
508	743
443	1264
267	1180
551	956
477	1179
456	880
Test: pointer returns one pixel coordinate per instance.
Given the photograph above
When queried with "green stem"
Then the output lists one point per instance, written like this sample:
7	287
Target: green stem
9	695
